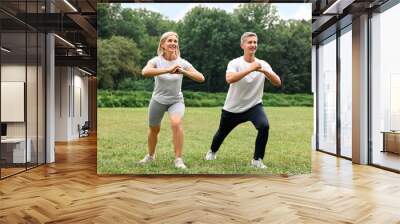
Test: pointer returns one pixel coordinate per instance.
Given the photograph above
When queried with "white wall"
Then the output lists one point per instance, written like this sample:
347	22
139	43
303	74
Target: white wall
13	72
80	113
33	126
62	81
71	101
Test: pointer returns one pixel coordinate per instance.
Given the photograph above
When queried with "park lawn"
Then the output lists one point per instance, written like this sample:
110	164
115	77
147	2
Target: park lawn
122	142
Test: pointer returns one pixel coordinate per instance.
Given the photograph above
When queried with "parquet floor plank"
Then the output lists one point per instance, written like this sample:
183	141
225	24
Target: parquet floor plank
70	191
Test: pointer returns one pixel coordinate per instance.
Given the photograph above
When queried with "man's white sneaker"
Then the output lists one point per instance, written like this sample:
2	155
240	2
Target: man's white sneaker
147	159
179	163
211	155
258	164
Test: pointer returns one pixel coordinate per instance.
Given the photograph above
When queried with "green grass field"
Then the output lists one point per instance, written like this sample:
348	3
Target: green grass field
122	142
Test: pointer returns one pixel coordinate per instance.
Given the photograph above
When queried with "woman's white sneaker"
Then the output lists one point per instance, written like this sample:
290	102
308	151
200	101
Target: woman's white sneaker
258	164
147	159
210	155
179	163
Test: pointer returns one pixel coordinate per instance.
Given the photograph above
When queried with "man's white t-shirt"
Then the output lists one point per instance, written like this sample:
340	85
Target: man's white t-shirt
247	92
167	87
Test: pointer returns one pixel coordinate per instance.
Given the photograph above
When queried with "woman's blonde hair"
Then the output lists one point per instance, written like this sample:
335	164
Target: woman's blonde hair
160	50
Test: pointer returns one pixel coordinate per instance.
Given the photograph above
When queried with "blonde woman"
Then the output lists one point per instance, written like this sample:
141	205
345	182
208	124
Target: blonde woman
168	69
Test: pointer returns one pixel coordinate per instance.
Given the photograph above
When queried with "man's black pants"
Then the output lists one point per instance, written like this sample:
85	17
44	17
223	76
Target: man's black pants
230	120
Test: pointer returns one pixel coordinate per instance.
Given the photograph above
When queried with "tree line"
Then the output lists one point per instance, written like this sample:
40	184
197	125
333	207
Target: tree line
208	38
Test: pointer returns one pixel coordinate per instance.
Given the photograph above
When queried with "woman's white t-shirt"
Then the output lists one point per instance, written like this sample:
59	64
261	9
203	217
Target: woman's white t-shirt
247	92
167	87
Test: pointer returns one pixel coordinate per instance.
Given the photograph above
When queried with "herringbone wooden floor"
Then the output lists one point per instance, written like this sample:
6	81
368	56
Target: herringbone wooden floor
70	191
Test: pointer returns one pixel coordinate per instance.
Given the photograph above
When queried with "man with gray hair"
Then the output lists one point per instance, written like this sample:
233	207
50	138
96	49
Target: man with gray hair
246	76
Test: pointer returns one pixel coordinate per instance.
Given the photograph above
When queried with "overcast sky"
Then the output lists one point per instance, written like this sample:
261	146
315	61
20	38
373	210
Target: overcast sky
176	11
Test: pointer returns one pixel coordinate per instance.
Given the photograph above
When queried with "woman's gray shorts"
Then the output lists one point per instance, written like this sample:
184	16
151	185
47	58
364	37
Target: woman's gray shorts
157	110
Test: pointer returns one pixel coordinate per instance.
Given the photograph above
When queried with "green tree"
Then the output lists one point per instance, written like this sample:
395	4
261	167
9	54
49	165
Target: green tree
130	26
145	28
117	59
286	45
108	14
257	17
209	39
155	23
289	52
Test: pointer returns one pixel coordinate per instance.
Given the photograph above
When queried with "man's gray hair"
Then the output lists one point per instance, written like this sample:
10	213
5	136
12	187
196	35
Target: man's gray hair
247	34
